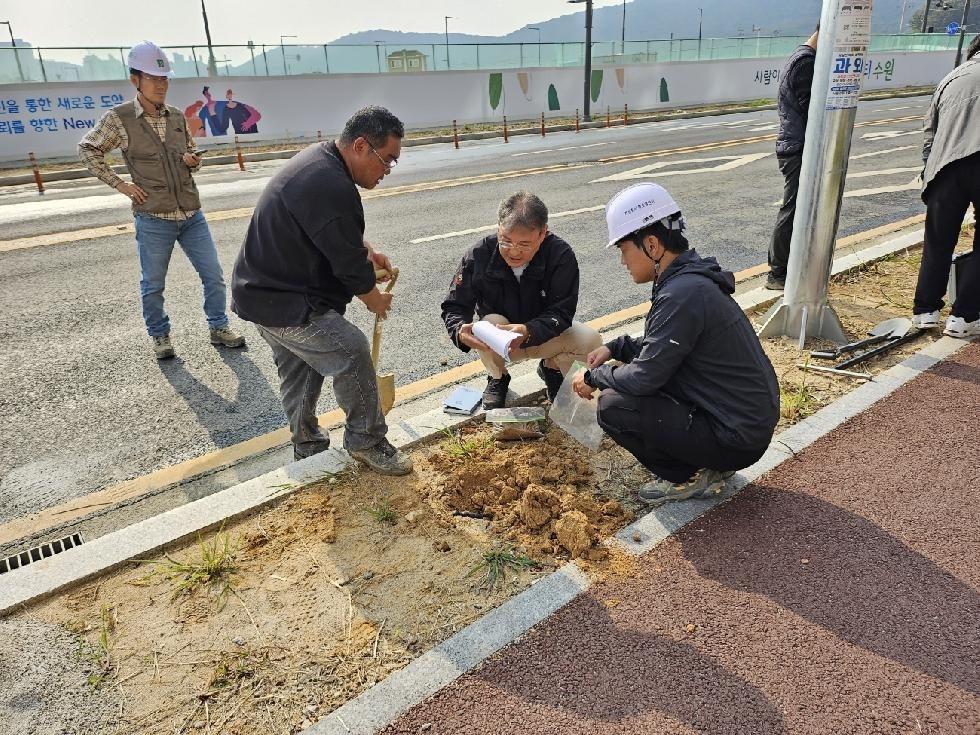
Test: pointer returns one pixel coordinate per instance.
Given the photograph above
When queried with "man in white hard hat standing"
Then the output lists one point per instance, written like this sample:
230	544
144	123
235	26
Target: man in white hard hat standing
160	156
696	398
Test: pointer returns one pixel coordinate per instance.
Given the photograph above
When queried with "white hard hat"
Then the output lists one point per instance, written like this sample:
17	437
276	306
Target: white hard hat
637	206
149	58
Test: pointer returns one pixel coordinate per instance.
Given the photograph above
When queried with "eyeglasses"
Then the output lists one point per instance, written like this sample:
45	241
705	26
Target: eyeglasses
154	79
387	164
516	247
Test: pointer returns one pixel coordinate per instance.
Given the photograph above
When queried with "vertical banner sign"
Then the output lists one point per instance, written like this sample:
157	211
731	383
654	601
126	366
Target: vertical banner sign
850	53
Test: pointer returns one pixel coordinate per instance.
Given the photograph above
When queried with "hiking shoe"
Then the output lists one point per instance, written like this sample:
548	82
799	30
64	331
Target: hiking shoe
704	484
297	455
957	326
227	337
927	320
775	283
384	458
162	347
495	394
552	379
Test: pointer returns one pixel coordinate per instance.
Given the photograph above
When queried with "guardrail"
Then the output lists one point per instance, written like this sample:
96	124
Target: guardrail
27	64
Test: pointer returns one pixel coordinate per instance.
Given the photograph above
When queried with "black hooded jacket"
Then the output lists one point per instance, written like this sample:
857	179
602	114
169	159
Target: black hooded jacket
794	100
699	347
544	299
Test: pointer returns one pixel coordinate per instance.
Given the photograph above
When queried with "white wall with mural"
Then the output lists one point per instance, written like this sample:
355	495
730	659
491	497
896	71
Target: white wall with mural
50	119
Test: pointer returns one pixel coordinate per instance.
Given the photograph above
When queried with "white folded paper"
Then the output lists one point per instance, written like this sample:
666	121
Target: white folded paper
498	339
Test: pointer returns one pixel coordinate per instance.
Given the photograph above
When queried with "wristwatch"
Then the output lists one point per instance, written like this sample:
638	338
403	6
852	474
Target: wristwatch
587	379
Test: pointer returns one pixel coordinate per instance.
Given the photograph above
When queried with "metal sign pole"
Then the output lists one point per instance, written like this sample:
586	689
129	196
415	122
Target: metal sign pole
845	32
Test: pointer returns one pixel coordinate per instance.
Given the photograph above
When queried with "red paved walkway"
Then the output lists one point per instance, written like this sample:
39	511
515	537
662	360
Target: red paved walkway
838	594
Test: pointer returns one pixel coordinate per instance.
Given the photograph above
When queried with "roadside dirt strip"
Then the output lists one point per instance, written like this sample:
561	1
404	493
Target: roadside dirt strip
839	592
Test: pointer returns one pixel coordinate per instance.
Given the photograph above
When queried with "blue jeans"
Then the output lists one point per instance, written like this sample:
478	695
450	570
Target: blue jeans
327	346
155	240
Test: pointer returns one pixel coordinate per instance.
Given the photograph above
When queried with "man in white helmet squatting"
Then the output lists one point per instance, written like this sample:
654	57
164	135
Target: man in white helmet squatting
695	397
160	156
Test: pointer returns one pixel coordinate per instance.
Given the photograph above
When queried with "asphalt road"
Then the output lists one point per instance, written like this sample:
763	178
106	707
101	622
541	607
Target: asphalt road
84	405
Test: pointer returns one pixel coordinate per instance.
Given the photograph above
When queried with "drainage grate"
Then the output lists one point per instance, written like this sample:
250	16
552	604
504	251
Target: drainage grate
43	551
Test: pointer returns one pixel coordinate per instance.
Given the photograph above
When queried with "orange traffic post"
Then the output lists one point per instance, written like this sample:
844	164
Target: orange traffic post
319	138
238	152
608	120
577	126
626	114
505	130
37	173
542	124
455	136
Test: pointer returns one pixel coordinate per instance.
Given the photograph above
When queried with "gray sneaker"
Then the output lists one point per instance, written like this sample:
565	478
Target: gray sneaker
384	458
704	484
227	337
162	347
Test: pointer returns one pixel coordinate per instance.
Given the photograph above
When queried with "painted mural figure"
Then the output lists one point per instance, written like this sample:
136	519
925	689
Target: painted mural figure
243	117
213	114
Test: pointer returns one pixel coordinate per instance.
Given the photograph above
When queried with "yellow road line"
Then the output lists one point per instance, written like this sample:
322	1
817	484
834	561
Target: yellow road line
216	460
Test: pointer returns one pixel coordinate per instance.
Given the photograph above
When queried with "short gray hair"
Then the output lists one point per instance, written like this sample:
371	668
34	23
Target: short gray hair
374	124
522	209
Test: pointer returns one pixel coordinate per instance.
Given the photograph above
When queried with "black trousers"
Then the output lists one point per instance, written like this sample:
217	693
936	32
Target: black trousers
947	198
782	234
670	438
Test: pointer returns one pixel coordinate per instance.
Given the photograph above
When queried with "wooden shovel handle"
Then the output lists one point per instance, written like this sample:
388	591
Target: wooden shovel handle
380	273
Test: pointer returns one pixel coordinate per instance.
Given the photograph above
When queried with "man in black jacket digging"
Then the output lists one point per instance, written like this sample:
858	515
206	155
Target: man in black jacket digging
524	279
696	398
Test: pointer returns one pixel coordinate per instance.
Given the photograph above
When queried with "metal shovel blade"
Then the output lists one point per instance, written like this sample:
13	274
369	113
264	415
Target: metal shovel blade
888	329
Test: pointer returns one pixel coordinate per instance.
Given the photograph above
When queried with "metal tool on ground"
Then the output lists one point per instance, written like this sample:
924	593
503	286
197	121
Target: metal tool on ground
386	382
882	332
834	371
908	336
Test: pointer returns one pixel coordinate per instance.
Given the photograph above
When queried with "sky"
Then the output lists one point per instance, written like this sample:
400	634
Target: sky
86	23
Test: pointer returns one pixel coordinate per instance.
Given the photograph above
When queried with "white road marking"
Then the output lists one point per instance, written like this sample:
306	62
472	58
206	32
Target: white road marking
884	172
731	162
763	128
881	153
488	228
886	134
567	148
911	186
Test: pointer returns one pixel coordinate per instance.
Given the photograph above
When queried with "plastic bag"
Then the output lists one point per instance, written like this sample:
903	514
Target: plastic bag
576	415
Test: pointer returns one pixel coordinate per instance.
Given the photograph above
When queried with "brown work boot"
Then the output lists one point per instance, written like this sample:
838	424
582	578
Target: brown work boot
227	337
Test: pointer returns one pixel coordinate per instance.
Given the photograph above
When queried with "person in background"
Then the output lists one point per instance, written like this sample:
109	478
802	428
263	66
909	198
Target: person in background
303	261
793	105
695	398
524	279
950	183
159	152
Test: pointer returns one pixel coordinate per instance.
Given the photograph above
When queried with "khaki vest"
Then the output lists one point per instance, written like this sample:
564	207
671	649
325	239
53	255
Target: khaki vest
156	166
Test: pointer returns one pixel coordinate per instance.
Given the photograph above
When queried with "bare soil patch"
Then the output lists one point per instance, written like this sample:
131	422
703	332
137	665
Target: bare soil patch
277	619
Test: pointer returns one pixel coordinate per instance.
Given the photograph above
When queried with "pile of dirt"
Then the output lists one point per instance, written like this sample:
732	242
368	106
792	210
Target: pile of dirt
279	618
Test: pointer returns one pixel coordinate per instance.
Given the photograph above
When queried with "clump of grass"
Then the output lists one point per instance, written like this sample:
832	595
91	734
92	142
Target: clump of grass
456	446
384	512
495	563
796	402
214	568
99	655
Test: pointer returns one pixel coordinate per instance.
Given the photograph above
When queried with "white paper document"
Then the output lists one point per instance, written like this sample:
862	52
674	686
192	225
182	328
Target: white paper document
498	339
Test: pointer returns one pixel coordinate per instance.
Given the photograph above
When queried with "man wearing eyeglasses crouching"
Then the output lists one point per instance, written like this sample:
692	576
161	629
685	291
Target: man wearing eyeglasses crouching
524	279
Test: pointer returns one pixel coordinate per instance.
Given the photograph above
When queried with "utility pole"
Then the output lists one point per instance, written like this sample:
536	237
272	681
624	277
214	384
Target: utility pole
959	47
588	57
447	19
13	45
700	18
622	50
212	65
